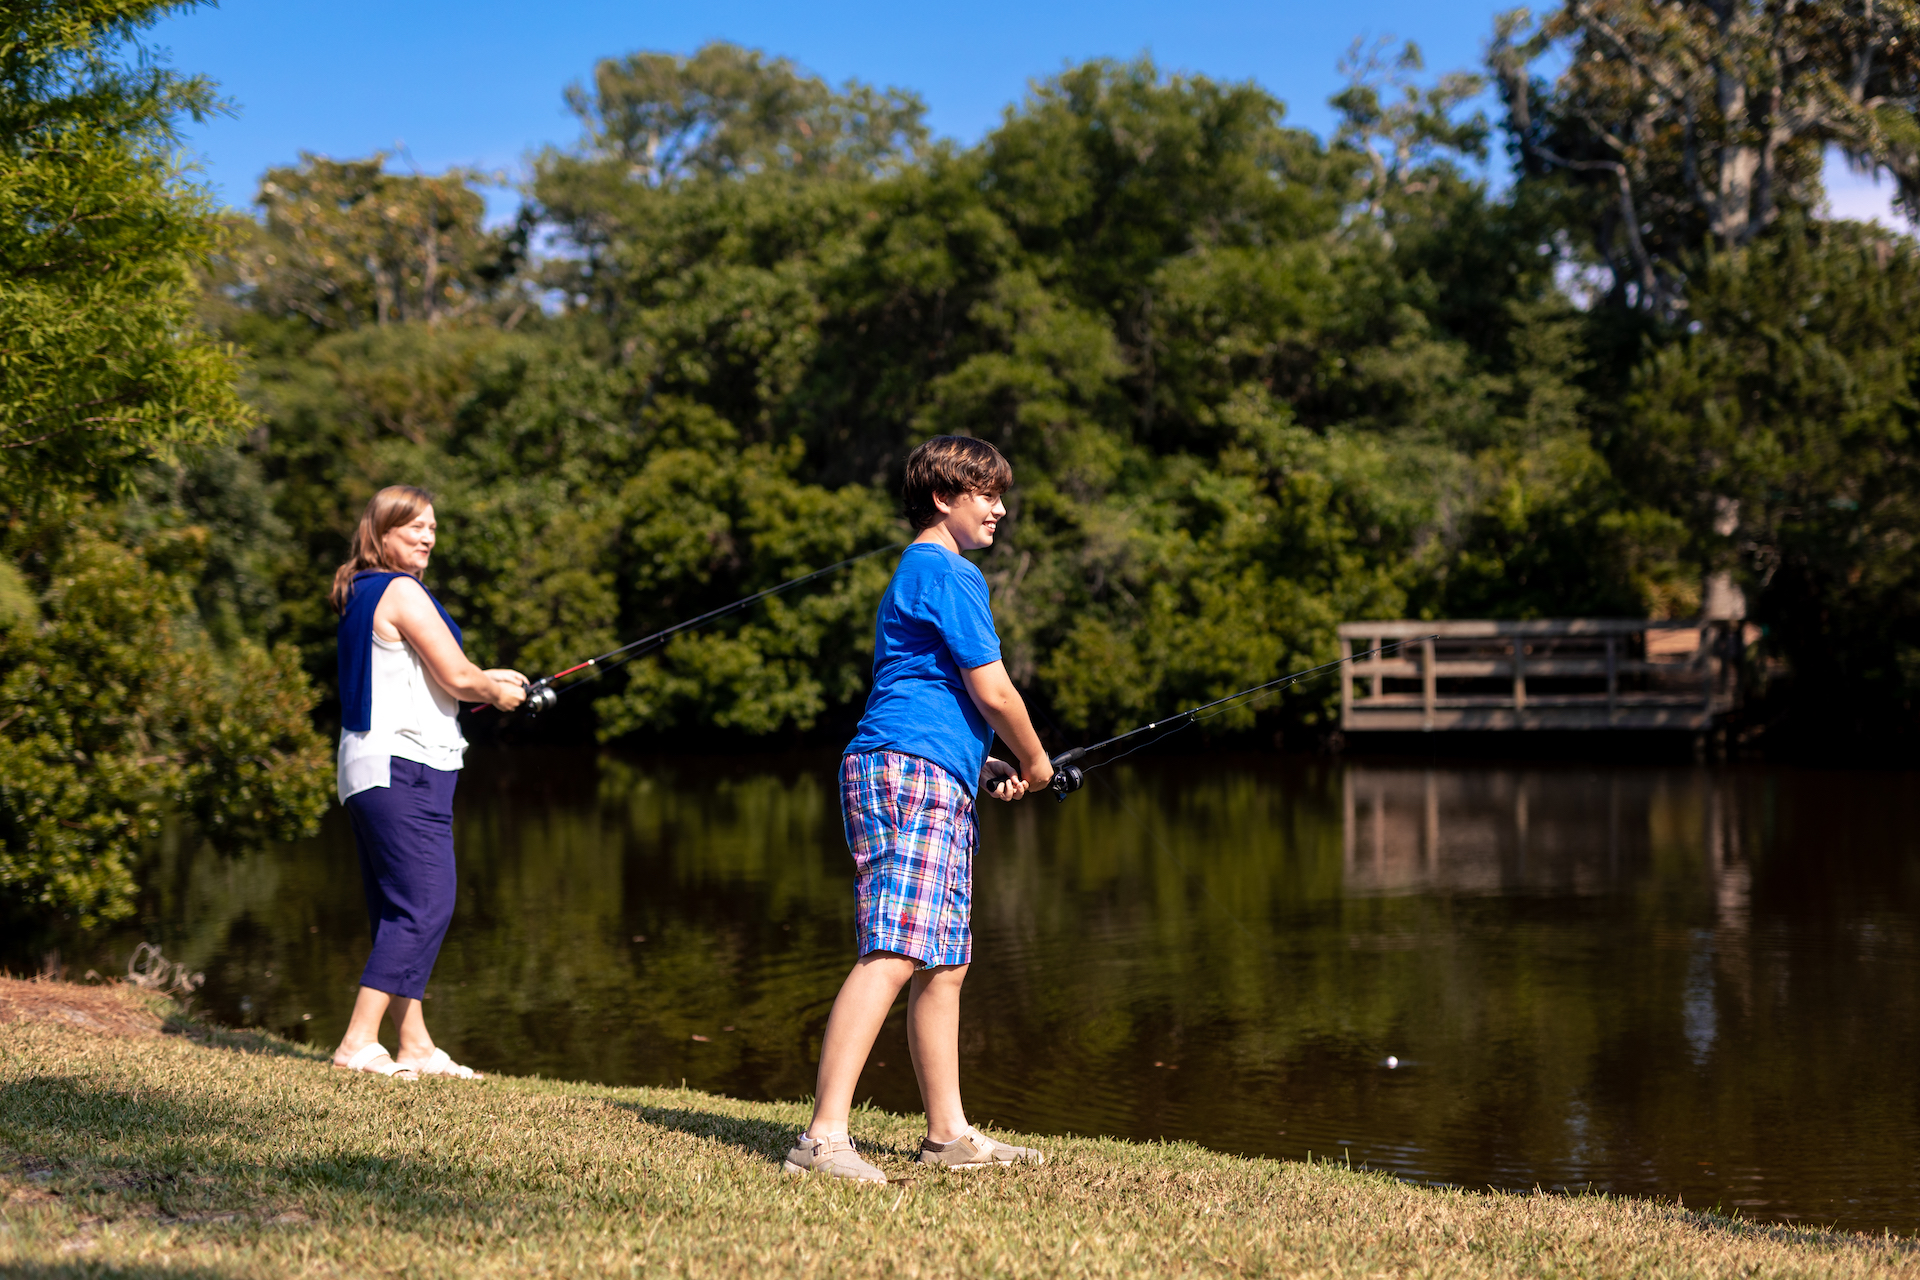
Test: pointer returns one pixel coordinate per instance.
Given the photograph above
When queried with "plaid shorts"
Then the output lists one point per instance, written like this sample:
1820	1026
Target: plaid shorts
911	828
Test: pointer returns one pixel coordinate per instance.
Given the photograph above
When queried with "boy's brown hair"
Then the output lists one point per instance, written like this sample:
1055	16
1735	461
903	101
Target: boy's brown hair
951	466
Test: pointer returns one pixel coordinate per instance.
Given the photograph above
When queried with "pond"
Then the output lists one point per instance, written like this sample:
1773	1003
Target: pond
1689	981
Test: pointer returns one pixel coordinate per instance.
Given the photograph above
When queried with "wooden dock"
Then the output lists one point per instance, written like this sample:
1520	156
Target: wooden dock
1560	673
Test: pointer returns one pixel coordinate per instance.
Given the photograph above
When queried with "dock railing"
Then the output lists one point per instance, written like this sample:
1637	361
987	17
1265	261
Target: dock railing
1559	673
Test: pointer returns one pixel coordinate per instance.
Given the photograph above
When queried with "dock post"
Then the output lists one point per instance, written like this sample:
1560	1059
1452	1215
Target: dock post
1374	642
1429	684
1346	685
1519	673
1613	677
1709	666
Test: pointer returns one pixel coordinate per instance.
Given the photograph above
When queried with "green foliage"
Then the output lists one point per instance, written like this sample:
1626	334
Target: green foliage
100	364
572	518
1252	383
121	703
1402	128
1669	127
1236	414
115	719
344	243
1781	431
728	111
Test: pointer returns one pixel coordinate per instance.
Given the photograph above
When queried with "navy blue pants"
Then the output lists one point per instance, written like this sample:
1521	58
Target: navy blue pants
405	836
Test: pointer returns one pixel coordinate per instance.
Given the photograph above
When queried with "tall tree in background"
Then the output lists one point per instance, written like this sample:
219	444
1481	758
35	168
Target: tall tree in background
116	708
659	124
1402	128
1781	429
1252	381
98	240
733	111
1704	121
345	243
1238	411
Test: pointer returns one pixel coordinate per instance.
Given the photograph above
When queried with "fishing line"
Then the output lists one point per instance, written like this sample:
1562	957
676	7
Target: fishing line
1165	846
1178	861
543	693
1069	775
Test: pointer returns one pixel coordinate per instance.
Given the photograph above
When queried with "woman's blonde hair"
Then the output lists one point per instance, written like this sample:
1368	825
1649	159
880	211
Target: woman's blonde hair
387	510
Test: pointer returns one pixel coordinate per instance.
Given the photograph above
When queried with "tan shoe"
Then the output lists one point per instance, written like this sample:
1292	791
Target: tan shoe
833	1156
975	1150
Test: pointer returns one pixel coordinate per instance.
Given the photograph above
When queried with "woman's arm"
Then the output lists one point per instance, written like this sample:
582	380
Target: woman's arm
409	611
993	692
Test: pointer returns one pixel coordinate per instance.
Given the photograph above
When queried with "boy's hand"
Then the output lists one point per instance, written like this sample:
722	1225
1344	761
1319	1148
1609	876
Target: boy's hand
999	703
1002	781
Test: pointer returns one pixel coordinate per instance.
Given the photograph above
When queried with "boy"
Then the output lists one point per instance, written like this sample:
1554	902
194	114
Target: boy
940	693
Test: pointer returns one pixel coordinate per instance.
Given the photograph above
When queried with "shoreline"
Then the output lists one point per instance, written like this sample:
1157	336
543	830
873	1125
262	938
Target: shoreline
148	1141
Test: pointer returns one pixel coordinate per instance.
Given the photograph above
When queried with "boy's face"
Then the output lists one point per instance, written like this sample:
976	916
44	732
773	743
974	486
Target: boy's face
971	518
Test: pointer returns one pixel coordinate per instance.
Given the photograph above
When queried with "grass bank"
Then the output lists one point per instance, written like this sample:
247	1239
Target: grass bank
127	1148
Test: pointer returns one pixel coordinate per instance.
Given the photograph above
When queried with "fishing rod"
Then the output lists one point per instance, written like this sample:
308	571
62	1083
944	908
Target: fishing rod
543	693
1069	776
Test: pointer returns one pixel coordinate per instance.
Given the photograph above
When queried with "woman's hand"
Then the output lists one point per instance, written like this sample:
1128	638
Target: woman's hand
511	688
1002	781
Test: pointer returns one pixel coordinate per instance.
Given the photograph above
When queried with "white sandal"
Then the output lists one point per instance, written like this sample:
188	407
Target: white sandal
363	1060
441	1065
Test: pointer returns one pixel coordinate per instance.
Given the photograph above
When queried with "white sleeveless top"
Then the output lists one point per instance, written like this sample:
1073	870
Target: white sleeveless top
413	718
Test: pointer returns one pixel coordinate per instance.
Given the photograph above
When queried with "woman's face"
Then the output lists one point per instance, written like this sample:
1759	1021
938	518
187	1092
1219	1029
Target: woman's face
409	545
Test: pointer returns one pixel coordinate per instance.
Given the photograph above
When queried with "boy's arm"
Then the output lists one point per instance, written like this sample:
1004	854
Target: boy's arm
993	692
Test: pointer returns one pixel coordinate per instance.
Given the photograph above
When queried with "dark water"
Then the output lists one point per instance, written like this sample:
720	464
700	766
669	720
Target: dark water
1667	981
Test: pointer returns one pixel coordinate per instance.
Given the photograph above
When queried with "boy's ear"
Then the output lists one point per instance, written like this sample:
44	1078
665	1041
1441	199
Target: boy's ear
943	503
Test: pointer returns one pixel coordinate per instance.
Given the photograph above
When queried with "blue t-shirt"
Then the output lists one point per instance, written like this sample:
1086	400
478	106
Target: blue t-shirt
934	623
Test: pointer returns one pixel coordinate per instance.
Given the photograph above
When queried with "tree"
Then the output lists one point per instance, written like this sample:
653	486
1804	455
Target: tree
101	365
116	708
1251	383
1704	121
1781	431
114	720
728	111
1406	132
344	243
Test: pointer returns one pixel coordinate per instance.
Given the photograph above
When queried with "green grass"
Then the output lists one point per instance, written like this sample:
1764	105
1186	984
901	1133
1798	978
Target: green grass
230	1154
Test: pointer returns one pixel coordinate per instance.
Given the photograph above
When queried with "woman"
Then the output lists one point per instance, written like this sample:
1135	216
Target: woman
402	679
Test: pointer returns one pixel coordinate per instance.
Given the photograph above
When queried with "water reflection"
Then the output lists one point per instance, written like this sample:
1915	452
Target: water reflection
1675	981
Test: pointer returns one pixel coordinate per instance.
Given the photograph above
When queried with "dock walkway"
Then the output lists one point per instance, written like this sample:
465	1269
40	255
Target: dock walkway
1558	673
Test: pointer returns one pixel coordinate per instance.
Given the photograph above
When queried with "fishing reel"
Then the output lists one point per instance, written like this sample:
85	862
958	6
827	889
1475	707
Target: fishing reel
541	695
1067	776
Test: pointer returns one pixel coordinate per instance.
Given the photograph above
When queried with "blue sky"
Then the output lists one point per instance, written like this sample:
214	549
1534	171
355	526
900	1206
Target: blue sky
479	83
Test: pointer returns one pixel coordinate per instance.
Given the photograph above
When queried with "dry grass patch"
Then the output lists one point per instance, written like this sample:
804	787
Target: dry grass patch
245	1156
113	1009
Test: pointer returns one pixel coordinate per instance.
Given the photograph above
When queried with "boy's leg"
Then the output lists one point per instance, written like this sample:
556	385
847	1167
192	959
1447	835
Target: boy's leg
859	1009
933	1038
